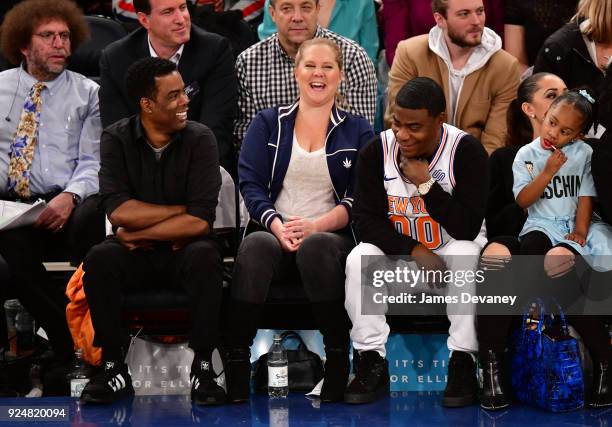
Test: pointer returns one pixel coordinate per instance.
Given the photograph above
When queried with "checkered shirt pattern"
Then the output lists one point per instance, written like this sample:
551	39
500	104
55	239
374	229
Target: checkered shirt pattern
266	80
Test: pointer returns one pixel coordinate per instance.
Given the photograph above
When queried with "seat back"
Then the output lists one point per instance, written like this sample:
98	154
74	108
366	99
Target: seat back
86	58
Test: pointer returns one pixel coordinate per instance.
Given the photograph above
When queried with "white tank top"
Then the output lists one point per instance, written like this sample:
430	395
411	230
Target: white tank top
307	188
406	208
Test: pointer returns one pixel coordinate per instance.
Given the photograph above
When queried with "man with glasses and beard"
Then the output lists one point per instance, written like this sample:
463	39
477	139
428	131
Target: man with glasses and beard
49	149
479	78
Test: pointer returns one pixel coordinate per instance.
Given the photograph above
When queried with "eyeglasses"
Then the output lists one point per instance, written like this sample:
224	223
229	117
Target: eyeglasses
49	36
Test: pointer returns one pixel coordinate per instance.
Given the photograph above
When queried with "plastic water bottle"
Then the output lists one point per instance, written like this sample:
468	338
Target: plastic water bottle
278	370
278	413
79	375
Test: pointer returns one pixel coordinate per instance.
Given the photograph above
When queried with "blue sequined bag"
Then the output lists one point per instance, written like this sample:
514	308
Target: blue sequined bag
546	370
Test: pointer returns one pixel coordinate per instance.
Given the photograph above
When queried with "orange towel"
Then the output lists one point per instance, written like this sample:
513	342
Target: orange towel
79	319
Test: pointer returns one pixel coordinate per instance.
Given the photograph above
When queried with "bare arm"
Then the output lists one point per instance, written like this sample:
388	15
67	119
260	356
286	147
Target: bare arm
333	220
137	215
176	228
532	191
300	228
514	44
583	220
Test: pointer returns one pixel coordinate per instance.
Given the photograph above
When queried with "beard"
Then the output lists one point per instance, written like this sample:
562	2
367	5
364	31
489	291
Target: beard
43	69
462	41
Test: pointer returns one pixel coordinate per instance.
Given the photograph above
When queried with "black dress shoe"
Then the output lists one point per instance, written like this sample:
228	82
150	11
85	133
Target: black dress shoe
238	374
461	386
494	396
337	368
601	392
371	380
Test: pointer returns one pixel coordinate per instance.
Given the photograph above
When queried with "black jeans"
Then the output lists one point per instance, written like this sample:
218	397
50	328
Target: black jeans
24	249
111	269
318	264
494	331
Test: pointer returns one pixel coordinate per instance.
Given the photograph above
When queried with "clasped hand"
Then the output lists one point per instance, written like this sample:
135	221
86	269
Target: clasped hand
292	233
131	241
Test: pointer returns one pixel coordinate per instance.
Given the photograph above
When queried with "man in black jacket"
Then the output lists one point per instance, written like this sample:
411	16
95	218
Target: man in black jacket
204	60
421	190
159	184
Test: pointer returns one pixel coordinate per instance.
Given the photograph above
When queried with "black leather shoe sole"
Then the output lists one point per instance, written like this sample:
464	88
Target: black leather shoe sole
372	396
458	401
208	400
107	399
600	403
238	399
332	397
494	405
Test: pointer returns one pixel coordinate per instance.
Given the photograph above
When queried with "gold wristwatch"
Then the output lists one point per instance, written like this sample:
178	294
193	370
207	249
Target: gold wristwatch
424	188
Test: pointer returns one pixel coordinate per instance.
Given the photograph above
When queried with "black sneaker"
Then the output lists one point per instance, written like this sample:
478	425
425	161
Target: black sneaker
371	380
113	383
206	386
461	386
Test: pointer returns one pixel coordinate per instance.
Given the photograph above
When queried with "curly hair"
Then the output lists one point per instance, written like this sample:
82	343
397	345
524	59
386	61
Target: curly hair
21	21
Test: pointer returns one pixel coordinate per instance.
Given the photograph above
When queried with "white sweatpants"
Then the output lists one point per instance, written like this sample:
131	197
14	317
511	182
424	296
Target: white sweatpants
370	332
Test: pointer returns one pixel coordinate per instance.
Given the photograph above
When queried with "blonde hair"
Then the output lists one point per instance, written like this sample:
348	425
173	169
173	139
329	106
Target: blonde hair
320	41
599	14
340	99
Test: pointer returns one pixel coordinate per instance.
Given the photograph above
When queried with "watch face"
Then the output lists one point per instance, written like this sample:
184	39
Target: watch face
425	187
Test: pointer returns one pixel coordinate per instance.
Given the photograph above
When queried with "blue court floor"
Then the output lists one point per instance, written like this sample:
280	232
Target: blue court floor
403	408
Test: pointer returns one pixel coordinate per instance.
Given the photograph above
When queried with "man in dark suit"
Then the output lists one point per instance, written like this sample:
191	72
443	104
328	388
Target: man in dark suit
204	61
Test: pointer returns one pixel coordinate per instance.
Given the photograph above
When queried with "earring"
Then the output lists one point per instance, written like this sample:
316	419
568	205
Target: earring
532	116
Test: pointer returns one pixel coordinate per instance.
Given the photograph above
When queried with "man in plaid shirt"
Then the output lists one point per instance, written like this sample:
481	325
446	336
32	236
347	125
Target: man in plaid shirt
265	70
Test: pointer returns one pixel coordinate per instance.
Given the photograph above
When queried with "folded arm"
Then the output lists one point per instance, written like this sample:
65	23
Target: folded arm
136	215
175	228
